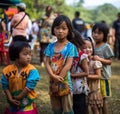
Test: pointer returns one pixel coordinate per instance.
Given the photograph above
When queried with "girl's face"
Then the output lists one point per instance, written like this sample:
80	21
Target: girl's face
25	56
87	48
61	31
98	36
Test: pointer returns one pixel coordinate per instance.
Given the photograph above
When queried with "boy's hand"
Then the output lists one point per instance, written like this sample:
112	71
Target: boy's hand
14	102
17	97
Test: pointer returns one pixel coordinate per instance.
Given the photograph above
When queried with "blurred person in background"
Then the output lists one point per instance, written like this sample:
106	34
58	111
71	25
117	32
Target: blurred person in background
45	31
78	23
116	37
19	24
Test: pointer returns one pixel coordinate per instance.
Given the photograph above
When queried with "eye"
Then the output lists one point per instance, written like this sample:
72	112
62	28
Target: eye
57	27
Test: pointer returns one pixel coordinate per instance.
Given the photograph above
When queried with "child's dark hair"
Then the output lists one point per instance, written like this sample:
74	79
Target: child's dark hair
77	39
102	27
16	48
59	20
89	39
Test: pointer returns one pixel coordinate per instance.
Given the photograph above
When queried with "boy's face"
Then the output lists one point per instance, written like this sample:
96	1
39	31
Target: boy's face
98	36
25	56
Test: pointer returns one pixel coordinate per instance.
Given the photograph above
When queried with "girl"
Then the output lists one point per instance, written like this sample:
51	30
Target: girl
79	72
104	54
94	97
19	80
59	56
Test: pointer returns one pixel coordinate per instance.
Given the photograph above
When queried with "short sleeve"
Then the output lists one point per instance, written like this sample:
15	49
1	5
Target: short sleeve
83	56
108	52
47	51
4	81
73	52
32	79
97	65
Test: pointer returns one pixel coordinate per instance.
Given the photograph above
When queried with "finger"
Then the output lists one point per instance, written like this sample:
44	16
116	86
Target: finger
61	78
17	102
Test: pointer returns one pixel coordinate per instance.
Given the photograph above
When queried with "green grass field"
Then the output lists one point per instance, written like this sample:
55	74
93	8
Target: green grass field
43	101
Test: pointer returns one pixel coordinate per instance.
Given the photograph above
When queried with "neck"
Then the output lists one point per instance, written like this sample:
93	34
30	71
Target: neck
63	40
99	44
19	66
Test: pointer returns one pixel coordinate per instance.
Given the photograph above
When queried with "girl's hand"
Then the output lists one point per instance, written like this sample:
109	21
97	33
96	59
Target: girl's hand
14	102
58	78
96	57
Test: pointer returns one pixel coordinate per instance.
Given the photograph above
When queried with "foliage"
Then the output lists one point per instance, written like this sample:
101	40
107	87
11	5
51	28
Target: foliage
79	3
107	12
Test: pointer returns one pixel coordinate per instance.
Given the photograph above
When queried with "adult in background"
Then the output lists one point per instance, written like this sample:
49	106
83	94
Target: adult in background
35	31
78	23
116	36
19	24
29	29
45	31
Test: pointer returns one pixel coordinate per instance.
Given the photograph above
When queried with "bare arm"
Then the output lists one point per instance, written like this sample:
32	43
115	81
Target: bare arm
11	100
113	35
67	67
103	61
50	72
85	68
22	94
97	74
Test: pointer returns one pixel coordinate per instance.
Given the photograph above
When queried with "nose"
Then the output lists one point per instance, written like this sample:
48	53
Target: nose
60	30
28	56
96	34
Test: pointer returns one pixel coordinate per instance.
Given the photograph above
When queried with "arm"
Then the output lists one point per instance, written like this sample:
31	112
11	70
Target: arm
102	60
31	83
113	34
5	86
67	67
11	100
85	68
22	95
50	72
97	74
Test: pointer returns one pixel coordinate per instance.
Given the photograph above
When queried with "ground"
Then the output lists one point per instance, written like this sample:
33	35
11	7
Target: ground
43	101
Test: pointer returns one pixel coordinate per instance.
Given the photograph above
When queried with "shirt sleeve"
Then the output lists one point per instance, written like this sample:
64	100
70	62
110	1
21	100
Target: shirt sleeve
73	52
47	51
4	81
108	52
97	65
83	56
32	79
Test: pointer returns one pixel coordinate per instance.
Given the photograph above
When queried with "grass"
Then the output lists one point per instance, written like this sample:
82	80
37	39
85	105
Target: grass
43	100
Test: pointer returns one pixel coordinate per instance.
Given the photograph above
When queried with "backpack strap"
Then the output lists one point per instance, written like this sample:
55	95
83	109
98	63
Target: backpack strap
20	21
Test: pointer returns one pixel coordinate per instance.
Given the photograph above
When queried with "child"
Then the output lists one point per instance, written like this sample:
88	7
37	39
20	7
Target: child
95	100
19	80
58	60
104	54
79	72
